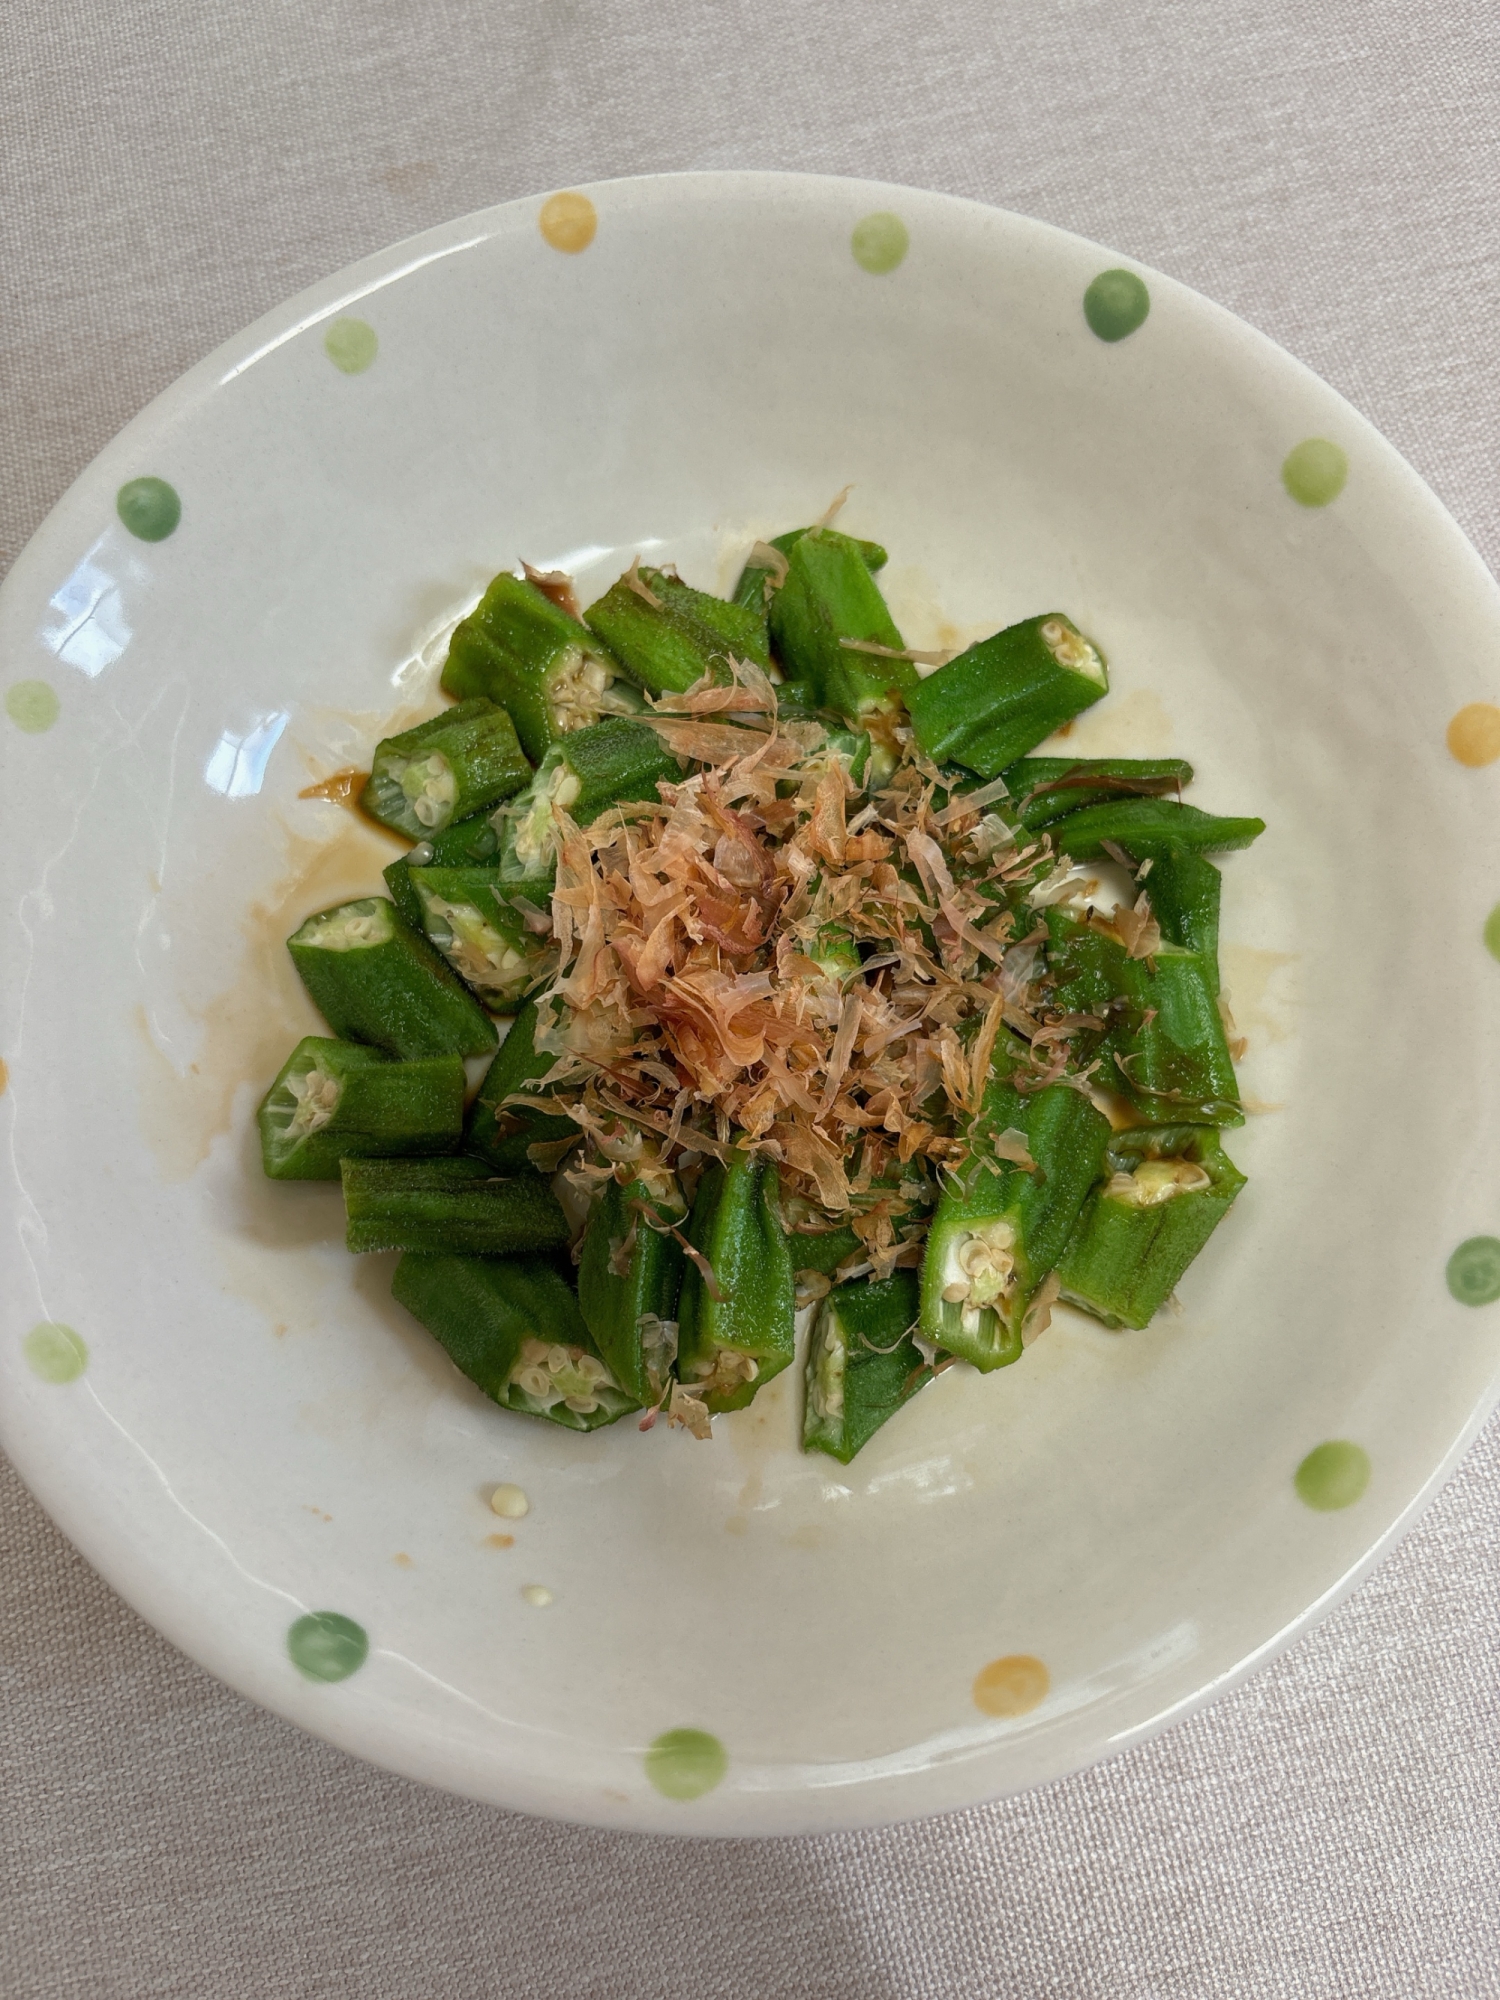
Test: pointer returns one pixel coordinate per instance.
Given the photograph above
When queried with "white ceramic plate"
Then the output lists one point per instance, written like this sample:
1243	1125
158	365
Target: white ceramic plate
241	1429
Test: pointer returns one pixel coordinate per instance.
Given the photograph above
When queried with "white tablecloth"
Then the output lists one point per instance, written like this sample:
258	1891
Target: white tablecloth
167	172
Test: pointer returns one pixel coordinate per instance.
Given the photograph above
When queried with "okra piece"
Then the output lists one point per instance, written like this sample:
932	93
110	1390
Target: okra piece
1148	827
377	980
583	774
862	1364
467	843
543	666
502	1135
757	581
1167	1192
1183	889
667	636
341	1100
629	1276
1169	1046
998	1234
730	1344
467	917
823	1250
453	1204
1047	788
829	596
512	1325
459	763
997	701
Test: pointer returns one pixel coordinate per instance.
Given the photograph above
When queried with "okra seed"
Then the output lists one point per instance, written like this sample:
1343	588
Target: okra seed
509	1502
537	1594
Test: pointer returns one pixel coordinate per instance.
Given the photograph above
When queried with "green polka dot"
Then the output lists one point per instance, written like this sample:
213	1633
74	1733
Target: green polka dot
149	508
31	705
879	243
686	1763
55	1352
1116	303
350	345
1492	932
327	1646
1333	1475
1474	1271
1314	472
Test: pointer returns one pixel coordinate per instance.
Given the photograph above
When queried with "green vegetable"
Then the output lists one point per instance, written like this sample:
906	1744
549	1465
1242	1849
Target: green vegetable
459	763
862	1364
513	1327
829	597
528	654
1148	827
376	980
629	1277
1168	1191
455	1204
1183	889
729	1346
757	580
340	1100
502	1136
1047	788
1170	1046
466	843
582	775
667	636
998	700
823	1250
995	1237
467	917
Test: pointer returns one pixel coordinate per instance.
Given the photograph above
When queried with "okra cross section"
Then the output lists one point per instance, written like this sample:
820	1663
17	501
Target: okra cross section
629	1277
1167	1192
829	598
512	1325
375	979
998	700
739	1331
668	636
459	763
502	1133
582	775
451	1204
333	1101
545	668
862	1363
467	916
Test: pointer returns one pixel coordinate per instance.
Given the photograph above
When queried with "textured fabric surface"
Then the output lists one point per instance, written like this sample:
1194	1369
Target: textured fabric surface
166	174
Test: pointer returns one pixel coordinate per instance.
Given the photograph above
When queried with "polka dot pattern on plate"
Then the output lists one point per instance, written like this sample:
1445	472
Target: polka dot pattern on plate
351	345
1474	734
1314	472
568	221
1473	1271
1333	1475
1115	304
1492	932
32	706
1013	1685
55	1352
879	242
327	1646
149	508
686	1763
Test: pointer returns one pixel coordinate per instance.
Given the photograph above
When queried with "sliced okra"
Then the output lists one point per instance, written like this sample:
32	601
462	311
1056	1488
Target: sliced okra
377	980
1183	888
450	1204
862	1364
512	1325
467	843
994	703
1167	1191
629	1277
341	1100
499	1133
758	580
996	1236
548	670
824	1249
829	596
668	636
1149	827
459	763
1047	788
1169	1045
582	775
467	917
732	1343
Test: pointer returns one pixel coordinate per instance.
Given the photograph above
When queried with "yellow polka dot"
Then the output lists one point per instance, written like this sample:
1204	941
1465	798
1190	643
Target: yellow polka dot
568	221
1474	734
4	1078
1011	1686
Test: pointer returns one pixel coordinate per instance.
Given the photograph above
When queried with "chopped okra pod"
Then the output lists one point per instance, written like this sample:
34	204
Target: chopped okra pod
512	1325
501	1133
467	916
461	762
582	775
375	979
862	1363
668	637
467	843
452	1204
738	1329
540	664
998	700
341	1100
1046	789
831	628
629	1277
1167	1192
1170	1046
1148	827
1183	890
